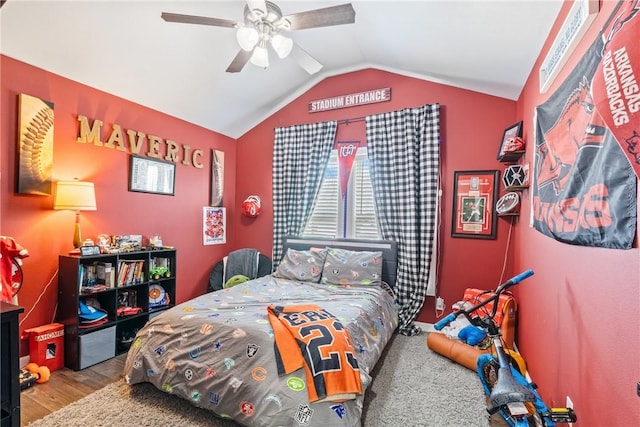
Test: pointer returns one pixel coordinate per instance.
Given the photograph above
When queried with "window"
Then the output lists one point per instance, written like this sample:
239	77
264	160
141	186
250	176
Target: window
354	217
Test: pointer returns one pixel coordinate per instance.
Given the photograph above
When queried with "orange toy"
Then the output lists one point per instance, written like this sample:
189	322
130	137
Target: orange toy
42	373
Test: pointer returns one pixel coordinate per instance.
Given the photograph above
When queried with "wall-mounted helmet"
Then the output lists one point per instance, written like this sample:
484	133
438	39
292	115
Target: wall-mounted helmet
251	206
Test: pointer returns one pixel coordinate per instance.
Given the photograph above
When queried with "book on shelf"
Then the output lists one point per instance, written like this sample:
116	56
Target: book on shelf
88	275
105	274
130	272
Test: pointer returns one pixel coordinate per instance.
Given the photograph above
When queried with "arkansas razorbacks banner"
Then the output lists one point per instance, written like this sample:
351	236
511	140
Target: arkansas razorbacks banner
584	188
616	89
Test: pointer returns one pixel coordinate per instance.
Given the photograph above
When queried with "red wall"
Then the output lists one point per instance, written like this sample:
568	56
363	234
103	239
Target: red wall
47	233
579	322
471	127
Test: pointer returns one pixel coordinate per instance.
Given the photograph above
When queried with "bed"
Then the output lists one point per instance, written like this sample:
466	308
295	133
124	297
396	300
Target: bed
219	350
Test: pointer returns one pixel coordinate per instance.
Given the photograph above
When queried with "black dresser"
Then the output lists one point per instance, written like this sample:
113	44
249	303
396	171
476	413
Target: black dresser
10	365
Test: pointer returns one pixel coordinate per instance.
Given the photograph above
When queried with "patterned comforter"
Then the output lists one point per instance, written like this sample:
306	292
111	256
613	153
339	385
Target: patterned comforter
217	351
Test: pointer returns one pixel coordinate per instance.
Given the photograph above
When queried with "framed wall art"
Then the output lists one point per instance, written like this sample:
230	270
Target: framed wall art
217	178
35	145
510	132
474	196
214	225
147	175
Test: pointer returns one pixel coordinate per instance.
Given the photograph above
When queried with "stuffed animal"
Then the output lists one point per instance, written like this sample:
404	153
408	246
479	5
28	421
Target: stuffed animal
11	254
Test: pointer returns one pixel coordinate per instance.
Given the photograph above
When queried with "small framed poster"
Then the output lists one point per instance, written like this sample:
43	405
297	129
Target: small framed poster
147	175
474	194
214	225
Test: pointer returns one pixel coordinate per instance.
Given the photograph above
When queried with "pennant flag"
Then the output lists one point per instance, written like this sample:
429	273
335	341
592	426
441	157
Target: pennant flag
346	155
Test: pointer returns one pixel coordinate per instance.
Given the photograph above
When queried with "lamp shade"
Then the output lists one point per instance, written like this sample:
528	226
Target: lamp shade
282	45
260	56
75	195
247	38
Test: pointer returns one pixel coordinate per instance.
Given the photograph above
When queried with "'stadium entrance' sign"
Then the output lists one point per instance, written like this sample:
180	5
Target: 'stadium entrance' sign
351	100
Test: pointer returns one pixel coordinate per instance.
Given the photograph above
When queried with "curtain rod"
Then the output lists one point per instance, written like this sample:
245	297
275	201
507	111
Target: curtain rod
355	119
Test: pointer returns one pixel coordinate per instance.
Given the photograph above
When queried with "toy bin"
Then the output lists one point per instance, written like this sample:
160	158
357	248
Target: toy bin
46	345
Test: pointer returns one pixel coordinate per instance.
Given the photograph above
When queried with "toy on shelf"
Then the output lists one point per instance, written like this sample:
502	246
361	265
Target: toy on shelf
155	242
128	311
156	273
33	373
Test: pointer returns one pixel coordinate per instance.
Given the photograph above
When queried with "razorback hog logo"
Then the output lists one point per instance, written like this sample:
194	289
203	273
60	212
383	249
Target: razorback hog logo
625	14
578	126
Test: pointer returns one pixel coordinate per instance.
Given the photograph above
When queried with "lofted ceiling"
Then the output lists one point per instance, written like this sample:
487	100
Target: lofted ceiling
126	49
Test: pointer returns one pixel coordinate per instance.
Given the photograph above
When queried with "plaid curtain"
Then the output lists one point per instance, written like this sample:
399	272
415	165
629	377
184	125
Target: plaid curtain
300	156
404	156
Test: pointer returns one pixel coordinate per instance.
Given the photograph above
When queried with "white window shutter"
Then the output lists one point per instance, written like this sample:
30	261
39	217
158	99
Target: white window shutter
328	212
324	218
362	209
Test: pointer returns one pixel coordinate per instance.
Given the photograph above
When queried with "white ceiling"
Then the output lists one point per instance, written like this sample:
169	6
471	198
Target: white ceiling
126	49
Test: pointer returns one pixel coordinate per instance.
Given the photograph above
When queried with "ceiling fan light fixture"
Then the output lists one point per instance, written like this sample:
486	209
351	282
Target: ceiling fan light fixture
260	56
283	24
247	38
282	45
263	22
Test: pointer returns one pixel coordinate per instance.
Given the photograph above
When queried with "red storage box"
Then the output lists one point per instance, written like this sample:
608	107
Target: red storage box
46	345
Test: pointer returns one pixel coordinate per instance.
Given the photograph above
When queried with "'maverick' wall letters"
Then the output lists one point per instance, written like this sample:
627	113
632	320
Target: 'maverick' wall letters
90	134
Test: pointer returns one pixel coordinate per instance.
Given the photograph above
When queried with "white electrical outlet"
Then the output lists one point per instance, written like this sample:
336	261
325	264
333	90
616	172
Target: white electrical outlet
439	303
569	404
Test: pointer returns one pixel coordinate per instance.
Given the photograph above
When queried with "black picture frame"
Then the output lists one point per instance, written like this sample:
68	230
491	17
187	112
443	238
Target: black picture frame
474	200
147	175
510	132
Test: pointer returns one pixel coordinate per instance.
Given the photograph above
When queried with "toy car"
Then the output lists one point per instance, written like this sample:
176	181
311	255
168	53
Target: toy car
157	272
128	311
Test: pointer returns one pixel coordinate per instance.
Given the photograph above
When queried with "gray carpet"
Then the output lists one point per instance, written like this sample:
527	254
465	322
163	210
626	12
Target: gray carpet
412	387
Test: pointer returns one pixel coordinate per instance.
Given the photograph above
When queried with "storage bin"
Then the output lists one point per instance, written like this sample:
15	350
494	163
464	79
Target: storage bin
97	347
46	345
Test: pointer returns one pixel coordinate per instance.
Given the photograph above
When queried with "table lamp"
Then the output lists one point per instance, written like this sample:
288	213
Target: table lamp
78	196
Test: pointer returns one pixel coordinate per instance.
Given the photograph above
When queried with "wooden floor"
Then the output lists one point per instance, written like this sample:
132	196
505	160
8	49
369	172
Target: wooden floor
66	386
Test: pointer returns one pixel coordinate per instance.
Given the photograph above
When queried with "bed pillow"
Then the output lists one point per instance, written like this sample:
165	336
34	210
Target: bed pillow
301	265
344	267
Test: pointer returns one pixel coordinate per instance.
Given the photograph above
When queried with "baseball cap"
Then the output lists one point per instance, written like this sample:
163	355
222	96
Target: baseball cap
87	312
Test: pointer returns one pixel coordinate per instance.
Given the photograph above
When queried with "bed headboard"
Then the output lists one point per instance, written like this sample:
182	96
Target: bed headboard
388	248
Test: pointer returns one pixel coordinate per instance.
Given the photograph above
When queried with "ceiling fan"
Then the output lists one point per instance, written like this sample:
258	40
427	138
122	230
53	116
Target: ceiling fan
262	26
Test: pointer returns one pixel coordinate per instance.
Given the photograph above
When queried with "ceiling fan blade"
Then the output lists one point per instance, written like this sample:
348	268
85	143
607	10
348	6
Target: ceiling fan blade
334	15
202	20
239	61
305	60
